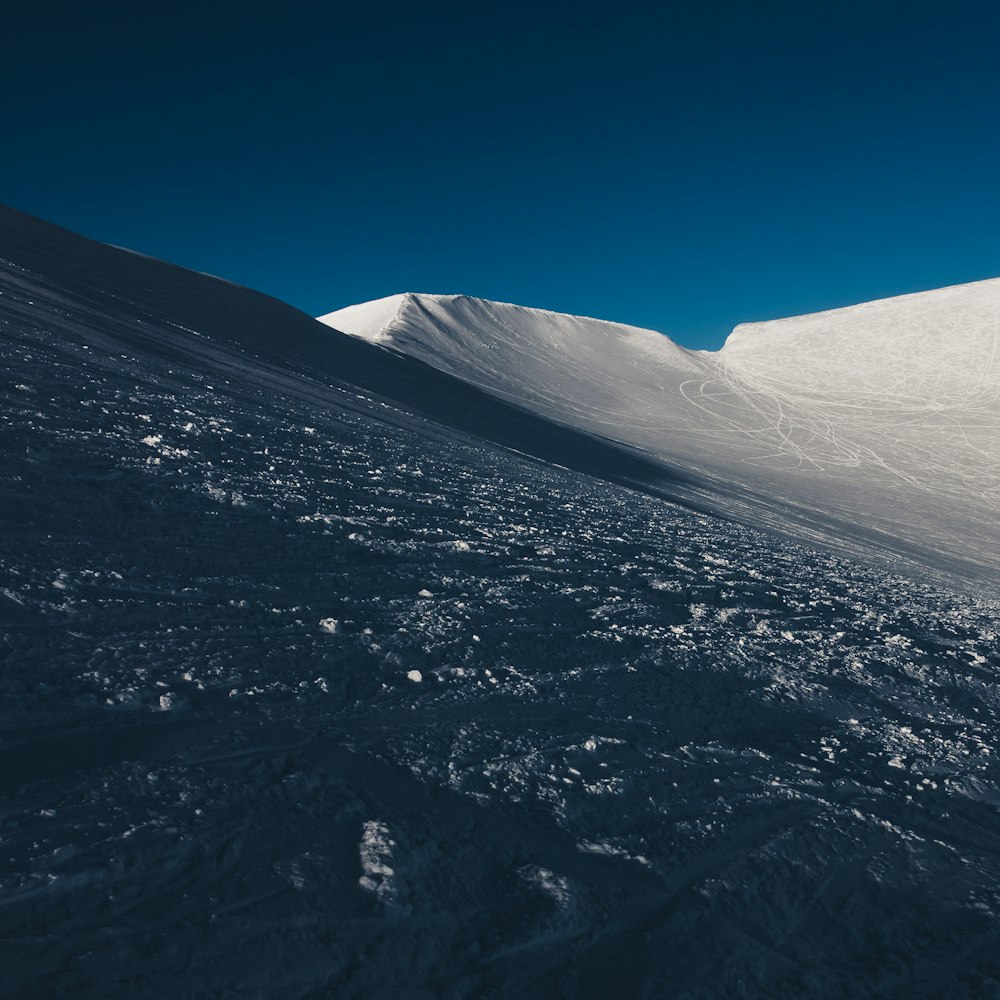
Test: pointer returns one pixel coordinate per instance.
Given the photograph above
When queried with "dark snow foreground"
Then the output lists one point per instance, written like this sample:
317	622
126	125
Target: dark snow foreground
309	691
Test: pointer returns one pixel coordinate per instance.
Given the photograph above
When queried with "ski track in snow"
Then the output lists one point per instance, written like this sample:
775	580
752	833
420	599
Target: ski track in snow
651	752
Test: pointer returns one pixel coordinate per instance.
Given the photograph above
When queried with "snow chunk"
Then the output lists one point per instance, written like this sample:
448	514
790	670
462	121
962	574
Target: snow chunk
375	850
555	886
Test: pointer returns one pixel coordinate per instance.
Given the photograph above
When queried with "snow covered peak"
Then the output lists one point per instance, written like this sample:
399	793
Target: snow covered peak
367	320
553	363
953	299
385	320
936	348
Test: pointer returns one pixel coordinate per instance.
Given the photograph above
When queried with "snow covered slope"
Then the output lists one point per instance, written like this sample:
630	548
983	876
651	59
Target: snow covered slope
306	692
878	423
909	386
604	377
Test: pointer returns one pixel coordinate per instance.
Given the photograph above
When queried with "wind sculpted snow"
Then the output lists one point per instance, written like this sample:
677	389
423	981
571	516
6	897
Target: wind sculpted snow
305	693
877	425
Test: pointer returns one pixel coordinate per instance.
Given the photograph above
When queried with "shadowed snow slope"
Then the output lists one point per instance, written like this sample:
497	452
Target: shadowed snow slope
150	304
878	423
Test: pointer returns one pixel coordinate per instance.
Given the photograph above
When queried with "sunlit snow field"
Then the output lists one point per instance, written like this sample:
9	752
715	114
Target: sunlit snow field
878	423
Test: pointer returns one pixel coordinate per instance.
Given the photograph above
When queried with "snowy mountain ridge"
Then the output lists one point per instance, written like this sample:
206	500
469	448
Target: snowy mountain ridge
947	335
376	318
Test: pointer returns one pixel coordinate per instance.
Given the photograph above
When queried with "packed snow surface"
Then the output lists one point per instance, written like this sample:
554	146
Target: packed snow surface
878	423
652	752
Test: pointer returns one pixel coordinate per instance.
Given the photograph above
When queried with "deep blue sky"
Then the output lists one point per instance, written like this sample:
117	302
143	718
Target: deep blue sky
683	169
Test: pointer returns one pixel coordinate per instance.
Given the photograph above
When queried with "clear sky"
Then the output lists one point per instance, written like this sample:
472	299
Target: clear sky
678	166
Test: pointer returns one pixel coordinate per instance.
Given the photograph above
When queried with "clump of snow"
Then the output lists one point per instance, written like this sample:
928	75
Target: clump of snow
555	886
375	850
